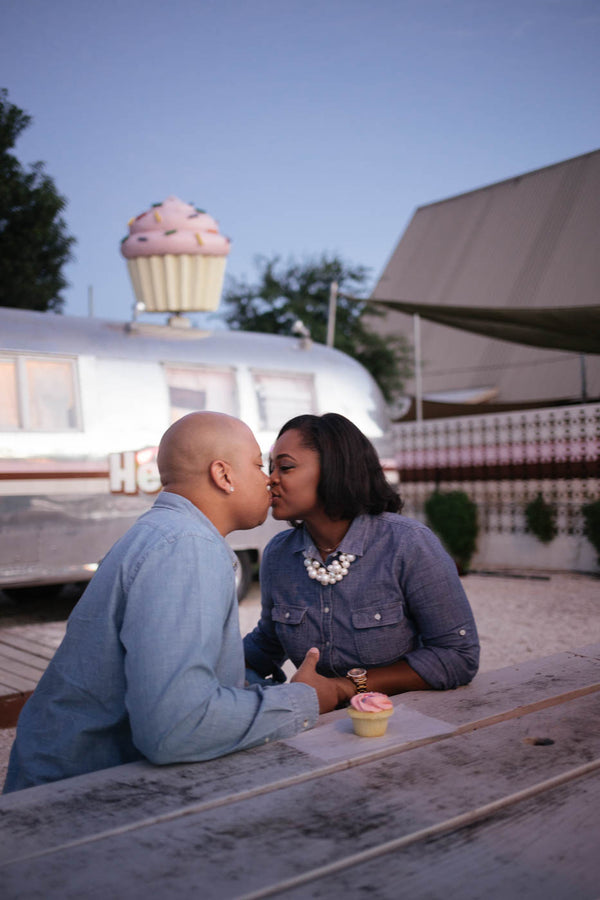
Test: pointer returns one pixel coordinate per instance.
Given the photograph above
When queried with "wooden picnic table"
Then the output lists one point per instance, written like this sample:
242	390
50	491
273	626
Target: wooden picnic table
488	791
25	651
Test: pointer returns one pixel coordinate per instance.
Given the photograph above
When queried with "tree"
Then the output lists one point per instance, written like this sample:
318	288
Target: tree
286	293
34	245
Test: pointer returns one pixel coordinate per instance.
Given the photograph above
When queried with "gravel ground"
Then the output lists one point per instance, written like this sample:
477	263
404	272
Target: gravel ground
519	617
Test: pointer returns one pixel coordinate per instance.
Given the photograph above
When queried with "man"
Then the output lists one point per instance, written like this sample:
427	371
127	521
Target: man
152	665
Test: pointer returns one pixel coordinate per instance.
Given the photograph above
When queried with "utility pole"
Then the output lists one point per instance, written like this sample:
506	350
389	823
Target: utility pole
583	378
418	381
333	292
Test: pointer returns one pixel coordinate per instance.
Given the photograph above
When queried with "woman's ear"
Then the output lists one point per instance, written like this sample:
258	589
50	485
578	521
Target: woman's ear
220	474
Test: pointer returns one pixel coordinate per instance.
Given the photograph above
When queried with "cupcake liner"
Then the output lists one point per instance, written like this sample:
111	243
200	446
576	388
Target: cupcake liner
183	283
369	724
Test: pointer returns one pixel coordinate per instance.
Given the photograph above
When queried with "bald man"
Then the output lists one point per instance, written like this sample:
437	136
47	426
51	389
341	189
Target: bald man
152	664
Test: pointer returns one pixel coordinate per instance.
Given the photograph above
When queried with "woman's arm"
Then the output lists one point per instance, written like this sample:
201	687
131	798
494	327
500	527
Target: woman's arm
394	679
448	652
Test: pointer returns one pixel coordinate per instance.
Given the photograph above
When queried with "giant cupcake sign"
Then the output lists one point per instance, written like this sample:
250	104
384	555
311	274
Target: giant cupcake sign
176	258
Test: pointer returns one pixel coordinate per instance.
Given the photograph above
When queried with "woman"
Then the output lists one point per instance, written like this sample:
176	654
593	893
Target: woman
374	591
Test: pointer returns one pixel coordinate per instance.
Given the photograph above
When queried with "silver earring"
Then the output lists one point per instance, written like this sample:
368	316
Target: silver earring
231	489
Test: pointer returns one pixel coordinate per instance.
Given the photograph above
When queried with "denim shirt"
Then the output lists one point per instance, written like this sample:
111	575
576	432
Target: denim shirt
152	664
401	599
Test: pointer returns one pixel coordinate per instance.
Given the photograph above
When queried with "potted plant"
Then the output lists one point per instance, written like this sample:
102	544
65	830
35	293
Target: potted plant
453	517
591	527
541	519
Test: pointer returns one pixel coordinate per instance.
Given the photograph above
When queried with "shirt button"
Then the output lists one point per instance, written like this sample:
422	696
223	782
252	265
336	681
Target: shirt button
266	740
305	723
326	609
327	643
462	632
377	616
287	615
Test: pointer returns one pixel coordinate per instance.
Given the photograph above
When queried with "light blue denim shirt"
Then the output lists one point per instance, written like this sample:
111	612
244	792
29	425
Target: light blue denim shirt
401	599
152	662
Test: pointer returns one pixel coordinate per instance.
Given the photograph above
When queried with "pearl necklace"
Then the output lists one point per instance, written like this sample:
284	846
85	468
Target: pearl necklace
335	571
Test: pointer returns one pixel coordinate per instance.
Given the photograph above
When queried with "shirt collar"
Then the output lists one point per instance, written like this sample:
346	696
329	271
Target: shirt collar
177	501
352	542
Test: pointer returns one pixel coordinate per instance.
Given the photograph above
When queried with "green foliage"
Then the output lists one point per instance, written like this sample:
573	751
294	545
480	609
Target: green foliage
34	245
541	519
453	517
287	293
591	528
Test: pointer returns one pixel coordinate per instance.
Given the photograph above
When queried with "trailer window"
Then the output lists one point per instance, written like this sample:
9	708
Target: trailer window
9	402
51	395
192	389
282	396
38	394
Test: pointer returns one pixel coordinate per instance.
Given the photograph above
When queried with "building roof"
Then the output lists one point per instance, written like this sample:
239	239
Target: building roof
531	242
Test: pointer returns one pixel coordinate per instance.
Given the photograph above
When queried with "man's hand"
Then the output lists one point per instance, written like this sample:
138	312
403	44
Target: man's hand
328	690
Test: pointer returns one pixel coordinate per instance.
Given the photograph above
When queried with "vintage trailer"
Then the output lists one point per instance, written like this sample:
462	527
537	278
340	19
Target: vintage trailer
84	402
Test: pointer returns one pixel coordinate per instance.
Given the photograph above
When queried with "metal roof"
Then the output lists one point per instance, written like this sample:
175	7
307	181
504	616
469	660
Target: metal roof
529	242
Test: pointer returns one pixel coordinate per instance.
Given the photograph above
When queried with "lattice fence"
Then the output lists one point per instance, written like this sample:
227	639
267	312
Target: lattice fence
502	461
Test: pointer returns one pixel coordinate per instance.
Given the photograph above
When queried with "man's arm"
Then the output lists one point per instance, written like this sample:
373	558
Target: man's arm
184	661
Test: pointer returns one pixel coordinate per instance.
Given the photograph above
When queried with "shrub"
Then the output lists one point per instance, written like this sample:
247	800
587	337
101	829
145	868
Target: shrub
453	517
591	528
541	519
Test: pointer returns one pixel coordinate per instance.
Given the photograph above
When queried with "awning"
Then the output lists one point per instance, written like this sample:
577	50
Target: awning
574	328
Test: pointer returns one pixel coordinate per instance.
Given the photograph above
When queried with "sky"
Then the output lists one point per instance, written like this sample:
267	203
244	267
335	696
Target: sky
304	128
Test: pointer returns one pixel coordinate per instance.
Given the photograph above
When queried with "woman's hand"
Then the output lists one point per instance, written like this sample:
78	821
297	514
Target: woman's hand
330	691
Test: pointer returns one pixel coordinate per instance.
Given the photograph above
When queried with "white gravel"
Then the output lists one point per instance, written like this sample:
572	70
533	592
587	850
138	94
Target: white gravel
519	617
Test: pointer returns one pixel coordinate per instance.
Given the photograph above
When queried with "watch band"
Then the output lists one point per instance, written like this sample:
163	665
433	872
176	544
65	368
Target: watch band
359	678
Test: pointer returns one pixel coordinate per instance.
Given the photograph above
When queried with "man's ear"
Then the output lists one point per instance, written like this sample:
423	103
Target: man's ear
220	474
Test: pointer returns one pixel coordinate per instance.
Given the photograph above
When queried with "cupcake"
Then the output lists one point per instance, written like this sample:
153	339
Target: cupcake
176	258
370	712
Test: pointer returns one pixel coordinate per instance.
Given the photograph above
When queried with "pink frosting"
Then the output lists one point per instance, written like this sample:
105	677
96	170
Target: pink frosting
174	227
371	701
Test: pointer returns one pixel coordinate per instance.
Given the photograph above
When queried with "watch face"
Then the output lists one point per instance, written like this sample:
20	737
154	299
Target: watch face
357	673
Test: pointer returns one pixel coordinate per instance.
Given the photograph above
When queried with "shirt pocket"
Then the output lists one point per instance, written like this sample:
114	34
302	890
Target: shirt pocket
382	634
292	630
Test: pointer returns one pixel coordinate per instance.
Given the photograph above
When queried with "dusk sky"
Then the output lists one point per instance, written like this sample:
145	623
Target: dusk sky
302	127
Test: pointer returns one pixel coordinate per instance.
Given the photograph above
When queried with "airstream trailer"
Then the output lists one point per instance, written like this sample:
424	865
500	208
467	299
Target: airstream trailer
84	402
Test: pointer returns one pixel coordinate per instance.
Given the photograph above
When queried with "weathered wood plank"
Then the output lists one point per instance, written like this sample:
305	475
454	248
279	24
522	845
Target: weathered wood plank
126	794
13	670
233	845
503	690
47	635
545	849
10	654
22	642
25	652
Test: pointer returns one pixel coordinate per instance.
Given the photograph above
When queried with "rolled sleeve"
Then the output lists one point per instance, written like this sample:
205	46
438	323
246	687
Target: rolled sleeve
448	651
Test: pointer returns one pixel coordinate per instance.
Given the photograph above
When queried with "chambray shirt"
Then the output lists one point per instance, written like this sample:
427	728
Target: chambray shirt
152	662
401	599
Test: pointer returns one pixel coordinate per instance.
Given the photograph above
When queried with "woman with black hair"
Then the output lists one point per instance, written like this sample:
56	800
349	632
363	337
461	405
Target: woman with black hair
374	591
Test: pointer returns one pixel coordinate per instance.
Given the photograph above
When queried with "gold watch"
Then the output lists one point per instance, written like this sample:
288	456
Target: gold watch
359	679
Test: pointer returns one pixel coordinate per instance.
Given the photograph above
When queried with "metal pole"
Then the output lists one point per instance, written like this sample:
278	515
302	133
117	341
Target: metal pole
418	381
583	378
333	292
90	301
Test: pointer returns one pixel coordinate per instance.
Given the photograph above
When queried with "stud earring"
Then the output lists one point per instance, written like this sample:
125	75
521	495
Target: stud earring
231	489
